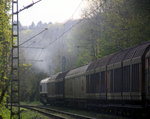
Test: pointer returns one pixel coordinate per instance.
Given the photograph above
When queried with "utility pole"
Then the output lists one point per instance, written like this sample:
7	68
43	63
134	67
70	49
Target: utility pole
15	98
15	82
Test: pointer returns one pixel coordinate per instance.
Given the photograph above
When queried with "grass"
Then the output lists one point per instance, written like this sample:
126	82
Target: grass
25	114
31	103
28	114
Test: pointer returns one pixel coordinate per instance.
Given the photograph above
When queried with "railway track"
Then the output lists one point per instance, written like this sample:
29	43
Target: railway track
59	114
56	114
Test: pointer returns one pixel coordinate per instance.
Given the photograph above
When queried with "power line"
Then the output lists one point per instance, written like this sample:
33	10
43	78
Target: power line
31	60
33	36
61	35
40	54
72	18
64	24
76	9
32	47
28	6
64	33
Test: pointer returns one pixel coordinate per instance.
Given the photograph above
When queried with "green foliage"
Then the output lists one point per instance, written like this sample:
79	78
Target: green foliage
123	25
4	112
27	114
5	41
34	103
29	83
112	25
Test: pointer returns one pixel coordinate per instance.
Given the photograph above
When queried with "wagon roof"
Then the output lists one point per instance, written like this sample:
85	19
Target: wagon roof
77	71
119	56
137	51
133	52
99	63
62	75
53	77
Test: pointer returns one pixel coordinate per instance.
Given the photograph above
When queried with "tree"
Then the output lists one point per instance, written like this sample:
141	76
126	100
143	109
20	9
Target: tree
121	23
5	43
109	26
29	83
32	26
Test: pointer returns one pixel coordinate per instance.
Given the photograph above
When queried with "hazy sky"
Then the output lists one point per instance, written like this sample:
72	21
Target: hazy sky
49	11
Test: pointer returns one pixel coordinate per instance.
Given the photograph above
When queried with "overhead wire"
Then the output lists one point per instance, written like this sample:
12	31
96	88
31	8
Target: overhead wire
64	32
40	54
79	5
64	24
41	50
33	42
32	47
76	9
33	37
27	7
30	40
61	35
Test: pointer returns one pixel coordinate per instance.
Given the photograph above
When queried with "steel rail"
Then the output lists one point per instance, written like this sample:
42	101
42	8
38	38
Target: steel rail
50	112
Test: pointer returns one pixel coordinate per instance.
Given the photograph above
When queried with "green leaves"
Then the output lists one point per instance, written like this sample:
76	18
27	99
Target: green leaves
5	39
116	25
124	23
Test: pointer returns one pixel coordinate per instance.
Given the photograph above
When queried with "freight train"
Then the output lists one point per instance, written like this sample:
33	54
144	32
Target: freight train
121	80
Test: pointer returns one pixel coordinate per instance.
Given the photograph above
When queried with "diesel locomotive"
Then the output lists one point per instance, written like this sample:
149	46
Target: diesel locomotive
121	79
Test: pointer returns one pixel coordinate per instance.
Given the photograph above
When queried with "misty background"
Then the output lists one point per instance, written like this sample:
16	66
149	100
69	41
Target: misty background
47	51
104	28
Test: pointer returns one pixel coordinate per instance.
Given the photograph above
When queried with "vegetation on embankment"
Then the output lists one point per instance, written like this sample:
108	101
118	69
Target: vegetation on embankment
28	114
5	42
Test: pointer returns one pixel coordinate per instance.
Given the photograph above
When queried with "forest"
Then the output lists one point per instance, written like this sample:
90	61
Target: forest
106	26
